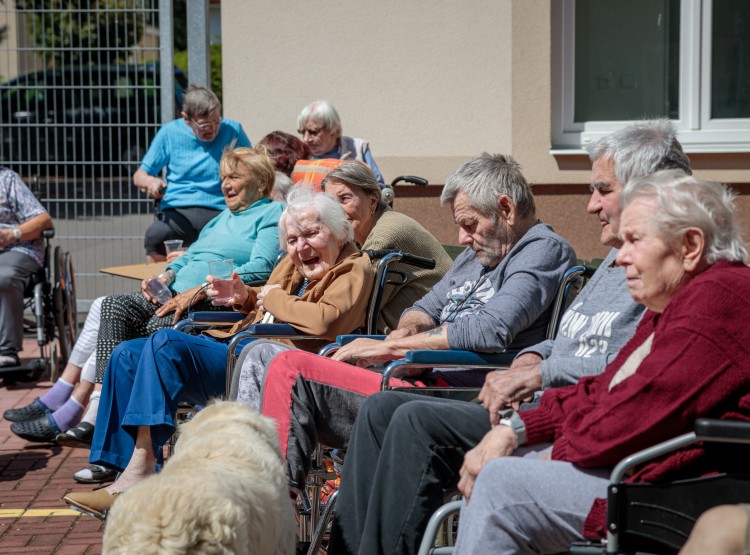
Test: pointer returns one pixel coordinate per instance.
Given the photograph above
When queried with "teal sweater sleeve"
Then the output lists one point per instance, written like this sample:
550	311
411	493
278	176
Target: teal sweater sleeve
249	237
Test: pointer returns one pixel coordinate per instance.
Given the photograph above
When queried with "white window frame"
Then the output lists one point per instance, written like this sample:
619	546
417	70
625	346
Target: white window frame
697	131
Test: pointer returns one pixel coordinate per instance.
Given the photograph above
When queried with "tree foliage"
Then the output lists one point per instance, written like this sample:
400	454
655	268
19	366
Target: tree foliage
181	61
81	32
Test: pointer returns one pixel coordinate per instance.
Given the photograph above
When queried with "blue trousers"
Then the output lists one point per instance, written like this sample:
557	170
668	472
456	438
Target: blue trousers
144	381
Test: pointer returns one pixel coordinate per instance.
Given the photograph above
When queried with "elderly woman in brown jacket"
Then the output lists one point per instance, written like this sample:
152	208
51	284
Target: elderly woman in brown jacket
323	287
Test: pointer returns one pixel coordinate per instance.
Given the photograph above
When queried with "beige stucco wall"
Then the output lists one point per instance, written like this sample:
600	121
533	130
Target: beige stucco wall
430	85
427	83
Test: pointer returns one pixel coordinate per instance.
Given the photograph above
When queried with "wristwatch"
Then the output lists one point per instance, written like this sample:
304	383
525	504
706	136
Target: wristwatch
515	423
17	233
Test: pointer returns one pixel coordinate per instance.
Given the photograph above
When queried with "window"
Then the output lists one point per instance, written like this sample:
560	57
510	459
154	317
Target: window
688	60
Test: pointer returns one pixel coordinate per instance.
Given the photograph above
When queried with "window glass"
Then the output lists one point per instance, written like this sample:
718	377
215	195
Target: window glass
626	59
730	59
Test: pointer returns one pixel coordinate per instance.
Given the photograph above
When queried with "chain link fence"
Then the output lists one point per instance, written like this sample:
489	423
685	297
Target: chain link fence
79	105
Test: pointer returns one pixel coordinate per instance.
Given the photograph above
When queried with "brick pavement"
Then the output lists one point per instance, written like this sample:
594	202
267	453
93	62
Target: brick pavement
33	479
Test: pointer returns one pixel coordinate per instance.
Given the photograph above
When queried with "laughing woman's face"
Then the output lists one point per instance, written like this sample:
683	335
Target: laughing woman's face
311	245
240	191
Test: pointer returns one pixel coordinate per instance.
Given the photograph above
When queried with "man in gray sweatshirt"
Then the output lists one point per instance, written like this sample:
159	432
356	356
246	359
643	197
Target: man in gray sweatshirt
406	449
497	295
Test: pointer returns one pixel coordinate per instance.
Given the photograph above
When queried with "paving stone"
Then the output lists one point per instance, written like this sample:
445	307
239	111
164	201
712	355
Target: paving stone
36	476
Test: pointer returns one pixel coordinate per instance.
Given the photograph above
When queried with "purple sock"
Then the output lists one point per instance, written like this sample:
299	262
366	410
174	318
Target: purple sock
68	415
56	397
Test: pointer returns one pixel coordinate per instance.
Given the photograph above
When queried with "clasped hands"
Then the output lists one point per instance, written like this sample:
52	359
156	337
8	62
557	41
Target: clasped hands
501	389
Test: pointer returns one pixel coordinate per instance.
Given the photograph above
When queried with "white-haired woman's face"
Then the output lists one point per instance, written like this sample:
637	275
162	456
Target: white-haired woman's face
318	138
655	269
311	245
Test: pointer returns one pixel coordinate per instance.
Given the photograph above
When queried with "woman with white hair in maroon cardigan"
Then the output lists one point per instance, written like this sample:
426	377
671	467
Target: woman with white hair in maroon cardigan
688	359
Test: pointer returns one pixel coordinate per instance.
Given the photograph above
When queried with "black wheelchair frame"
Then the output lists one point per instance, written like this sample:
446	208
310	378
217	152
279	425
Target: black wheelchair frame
50	295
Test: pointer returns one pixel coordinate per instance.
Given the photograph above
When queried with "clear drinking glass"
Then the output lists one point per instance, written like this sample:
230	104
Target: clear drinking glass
158	289
222	272
172	245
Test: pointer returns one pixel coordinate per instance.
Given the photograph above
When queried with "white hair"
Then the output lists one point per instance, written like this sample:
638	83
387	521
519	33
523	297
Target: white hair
641	148
302	199
686	202
485	179
323	113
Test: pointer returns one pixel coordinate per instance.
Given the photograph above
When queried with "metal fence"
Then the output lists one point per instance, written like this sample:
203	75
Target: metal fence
79	105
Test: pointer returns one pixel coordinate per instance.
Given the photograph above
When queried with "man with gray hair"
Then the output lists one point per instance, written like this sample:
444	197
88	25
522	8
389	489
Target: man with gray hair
422	444
496	296
190	149
634	151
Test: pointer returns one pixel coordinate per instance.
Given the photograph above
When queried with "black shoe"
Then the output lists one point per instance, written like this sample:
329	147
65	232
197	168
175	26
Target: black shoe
95	474
42	430
77	436
9	360
32	411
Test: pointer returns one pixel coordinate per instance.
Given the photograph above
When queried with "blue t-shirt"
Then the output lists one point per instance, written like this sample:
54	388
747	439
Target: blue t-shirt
250	237
192	165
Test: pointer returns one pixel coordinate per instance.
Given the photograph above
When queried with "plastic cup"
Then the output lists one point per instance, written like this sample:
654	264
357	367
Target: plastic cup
158	290
173	245
222	272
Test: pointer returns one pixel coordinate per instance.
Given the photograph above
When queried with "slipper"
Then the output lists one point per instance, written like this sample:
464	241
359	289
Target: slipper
40	430
95	474
93	503
32	411
79	435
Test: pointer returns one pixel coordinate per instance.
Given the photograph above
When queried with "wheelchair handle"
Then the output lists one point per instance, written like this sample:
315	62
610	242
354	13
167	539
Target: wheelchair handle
413	179
405	257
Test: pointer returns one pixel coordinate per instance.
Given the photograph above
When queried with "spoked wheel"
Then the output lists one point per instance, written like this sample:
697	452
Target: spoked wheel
64	303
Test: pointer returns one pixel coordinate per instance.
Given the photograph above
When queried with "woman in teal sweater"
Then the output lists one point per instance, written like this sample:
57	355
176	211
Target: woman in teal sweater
246	231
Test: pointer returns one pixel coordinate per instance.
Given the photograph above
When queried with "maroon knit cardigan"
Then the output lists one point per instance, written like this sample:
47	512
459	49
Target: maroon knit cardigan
699	366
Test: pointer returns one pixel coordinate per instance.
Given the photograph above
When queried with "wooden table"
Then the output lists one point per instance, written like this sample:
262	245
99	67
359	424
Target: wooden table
136	271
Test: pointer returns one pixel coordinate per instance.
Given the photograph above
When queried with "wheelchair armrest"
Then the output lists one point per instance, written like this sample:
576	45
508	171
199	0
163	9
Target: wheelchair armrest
274	329
460	358
208	319
348	338
706	429
49	233
215	317
727	431
403	368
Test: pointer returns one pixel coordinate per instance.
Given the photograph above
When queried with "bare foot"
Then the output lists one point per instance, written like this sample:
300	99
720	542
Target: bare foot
142	463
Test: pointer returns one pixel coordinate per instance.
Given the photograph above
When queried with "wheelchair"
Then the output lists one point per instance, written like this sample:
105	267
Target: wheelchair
573	282
308	511
648	518
50	296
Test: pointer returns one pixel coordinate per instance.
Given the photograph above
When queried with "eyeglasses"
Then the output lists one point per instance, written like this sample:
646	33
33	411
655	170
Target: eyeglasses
207	125
311	132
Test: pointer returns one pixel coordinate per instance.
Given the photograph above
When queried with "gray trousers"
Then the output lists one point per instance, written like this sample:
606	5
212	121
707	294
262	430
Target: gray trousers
15	270
522	505
250	371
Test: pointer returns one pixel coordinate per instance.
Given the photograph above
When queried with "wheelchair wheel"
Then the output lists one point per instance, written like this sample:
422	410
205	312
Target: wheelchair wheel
64	304
54	363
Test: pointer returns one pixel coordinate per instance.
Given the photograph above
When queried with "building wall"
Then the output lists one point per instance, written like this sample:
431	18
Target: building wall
430	85
427	83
